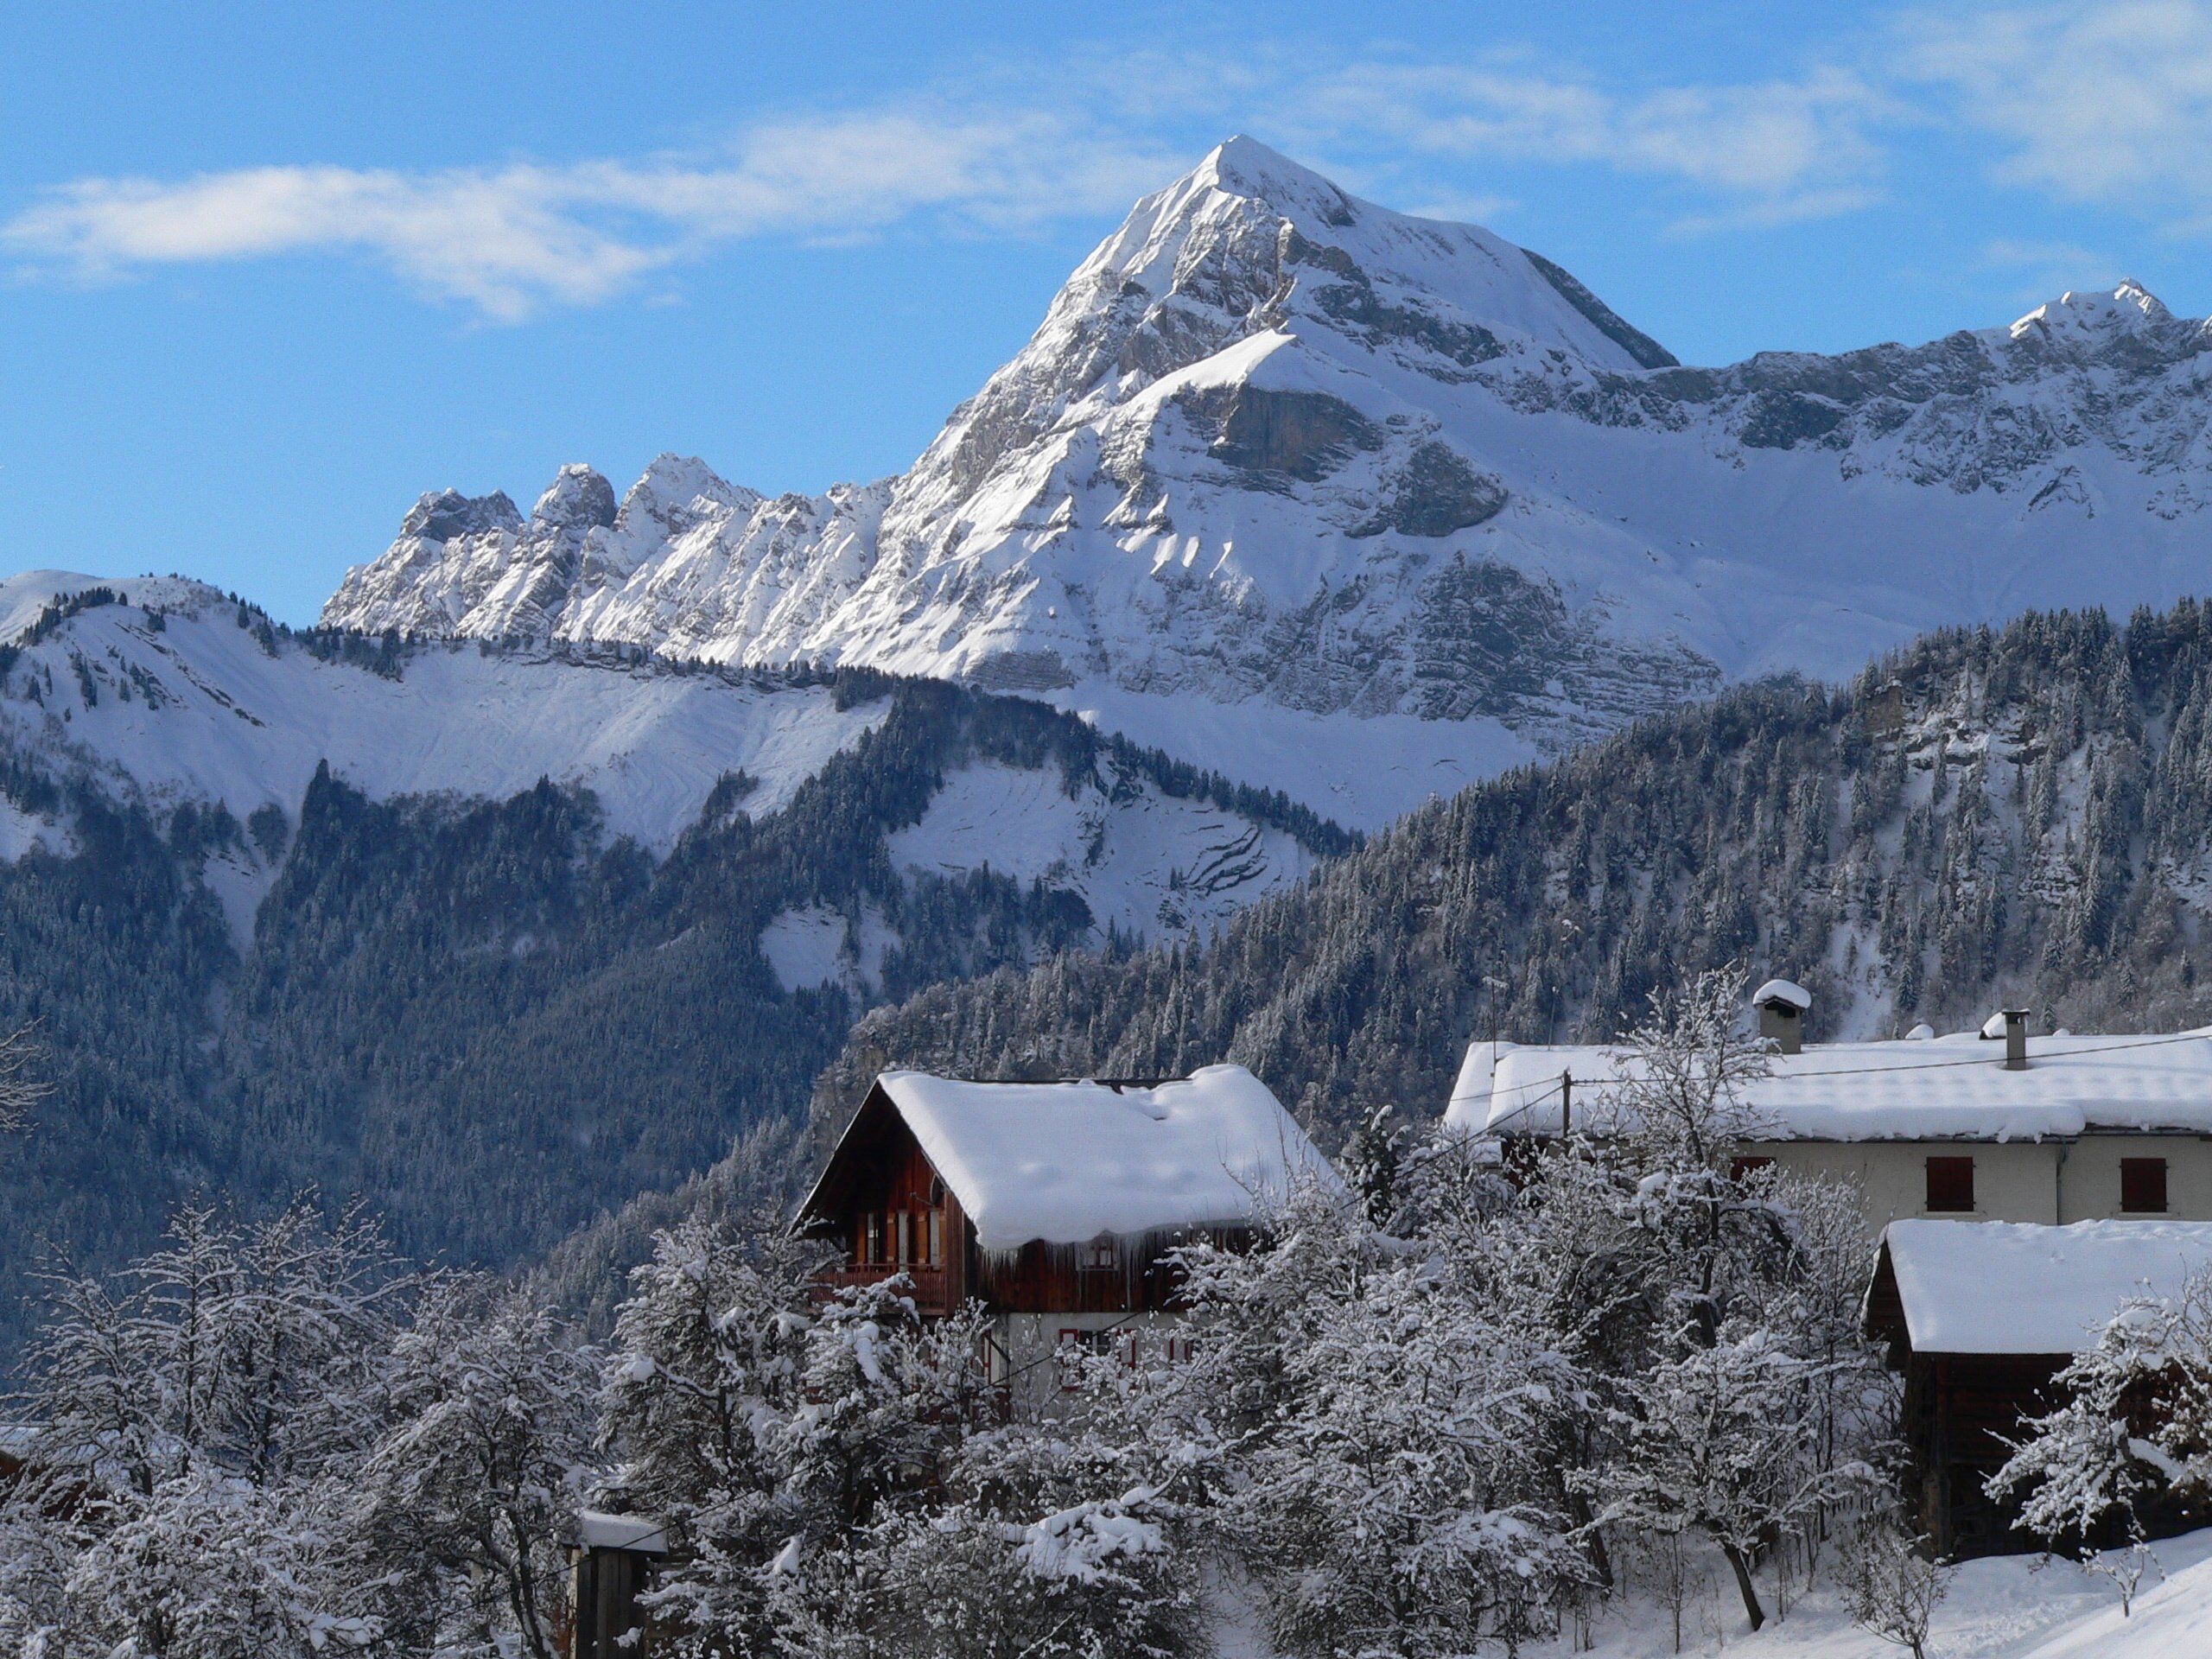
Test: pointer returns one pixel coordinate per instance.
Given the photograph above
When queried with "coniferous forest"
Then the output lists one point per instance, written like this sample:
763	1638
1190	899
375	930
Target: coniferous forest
490	1020
2024	814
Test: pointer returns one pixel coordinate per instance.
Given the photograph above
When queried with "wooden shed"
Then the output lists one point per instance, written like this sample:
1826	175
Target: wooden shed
1979	1316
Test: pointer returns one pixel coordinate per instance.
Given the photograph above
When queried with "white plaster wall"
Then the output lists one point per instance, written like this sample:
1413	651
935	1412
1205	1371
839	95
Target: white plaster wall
2017	1181
1031	1342
2049	1181
2089	1182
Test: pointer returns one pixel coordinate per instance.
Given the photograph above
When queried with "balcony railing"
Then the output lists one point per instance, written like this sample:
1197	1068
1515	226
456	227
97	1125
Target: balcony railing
929	1290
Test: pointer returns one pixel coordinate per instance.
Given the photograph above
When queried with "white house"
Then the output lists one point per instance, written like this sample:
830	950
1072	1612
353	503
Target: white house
1990	1126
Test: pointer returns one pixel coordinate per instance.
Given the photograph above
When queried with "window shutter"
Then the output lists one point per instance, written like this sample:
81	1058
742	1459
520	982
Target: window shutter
2143	1186
1950	1185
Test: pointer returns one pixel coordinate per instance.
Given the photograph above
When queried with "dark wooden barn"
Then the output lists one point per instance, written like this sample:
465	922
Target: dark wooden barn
1979	1317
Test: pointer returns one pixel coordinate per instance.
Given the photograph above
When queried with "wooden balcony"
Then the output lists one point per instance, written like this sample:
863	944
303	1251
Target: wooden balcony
929	1287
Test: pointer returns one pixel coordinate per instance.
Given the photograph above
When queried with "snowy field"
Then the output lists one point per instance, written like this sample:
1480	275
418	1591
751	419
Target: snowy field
2004	1608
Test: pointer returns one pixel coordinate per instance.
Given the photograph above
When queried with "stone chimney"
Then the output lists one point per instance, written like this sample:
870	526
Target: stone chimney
1782	1006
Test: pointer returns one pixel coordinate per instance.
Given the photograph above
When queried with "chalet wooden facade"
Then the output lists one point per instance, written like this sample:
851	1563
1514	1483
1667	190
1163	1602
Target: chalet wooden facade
884	1205
1979	1318
1053	1205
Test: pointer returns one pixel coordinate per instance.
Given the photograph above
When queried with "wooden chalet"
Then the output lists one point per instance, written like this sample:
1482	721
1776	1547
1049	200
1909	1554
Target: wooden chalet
1979	1317
1052	1204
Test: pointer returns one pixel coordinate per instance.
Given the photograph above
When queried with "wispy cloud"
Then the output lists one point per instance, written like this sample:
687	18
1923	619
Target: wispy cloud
2109	104
513	238
1767	152
2048	268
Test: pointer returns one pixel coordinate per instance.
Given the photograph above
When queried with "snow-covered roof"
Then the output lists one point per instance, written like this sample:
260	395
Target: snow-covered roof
2016	1288
1786	991
597	1530
1066	1162
1951	1088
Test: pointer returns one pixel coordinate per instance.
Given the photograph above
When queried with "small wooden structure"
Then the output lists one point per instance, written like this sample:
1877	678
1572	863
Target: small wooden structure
1979	1317
612	1560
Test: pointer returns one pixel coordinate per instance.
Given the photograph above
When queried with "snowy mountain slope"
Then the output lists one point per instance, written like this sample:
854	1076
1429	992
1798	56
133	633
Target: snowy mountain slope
1383	504
180	695
1147	864
195	707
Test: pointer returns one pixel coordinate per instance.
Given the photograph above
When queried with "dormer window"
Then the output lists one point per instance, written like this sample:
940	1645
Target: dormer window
1100	1256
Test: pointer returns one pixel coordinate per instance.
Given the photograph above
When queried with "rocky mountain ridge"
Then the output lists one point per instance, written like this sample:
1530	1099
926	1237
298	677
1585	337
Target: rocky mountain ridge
1381	504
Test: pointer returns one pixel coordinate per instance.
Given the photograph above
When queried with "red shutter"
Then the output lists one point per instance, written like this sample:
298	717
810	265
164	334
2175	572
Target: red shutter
2143	1186
1950	1185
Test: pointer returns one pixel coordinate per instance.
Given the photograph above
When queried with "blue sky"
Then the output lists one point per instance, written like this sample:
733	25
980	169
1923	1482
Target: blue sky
267	272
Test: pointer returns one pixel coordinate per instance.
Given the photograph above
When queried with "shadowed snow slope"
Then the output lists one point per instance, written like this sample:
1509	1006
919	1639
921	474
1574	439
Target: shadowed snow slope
1380	504
180	695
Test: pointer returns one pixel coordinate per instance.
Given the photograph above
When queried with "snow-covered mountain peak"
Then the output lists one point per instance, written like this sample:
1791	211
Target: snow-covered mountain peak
2095	318
1383	502
1243	166
441	515
579	497
678	493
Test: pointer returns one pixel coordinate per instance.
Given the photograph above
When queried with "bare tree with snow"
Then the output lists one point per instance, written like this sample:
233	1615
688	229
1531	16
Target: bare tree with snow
22	1086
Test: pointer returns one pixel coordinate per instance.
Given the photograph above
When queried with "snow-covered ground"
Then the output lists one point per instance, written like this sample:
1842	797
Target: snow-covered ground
2007	1607
2002	1608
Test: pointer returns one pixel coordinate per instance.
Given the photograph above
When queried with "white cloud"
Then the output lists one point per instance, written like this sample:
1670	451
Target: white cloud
1767	152
511	239
2046	268
2108	104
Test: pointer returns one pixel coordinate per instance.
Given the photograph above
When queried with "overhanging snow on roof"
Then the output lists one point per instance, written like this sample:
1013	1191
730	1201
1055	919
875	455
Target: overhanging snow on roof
1953	1088
2016	1288
597	1530
1064	1163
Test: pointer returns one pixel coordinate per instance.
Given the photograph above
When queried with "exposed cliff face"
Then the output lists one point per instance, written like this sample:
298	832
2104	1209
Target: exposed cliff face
1383	503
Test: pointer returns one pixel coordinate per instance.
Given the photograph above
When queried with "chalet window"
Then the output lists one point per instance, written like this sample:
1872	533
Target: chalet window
937	1238
905	1238
871	1239
1740	1168
2143	1186
1099	1257
1950	1184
